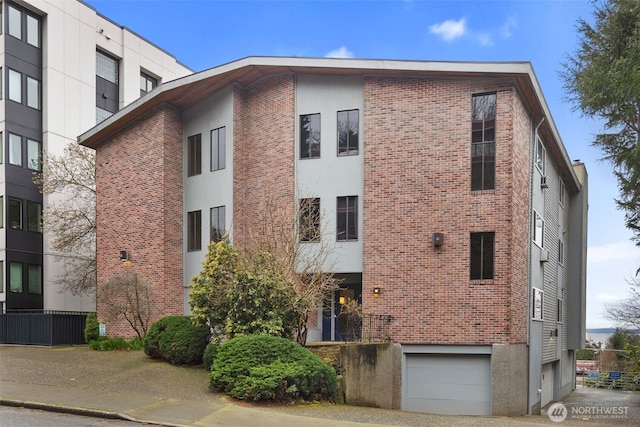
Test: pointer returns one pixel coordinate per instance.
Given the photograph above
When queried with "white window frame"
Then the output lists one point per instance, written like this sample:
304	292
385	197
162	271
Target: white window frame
538	229
537	304
540	156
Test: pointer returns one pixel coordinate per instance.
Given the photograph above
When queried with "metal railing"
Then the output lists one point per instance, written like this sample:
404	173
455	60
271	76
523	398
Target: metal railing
375	328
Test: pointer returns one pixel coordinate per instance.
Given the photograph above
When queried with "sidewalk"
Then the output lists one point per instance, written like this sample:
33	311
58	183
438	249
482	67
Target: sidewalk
128	385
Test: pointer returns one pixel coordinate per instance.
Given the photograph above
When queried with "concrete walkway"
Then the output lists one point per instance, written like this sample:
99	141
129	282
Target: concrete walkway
128	385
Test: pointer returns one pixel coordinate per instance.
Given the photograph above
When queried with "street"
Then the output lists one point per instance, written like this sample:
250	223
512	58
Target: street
21	417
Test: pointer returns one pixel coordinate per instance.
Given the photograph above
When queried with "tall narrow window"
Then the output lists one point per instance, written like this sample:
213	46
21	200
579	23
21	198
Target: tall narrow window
310	136
34	217
1	262
15	277
482	256
540	156
562	193
309	220
1	136
194	155
218	227
348	131
14	22
538	229
15	149
147	83
15	213
537	305
560	252
1	212
107	86
34	155
194	233
218	148
15	86
34	279
33	93
347	221
483	142
33	31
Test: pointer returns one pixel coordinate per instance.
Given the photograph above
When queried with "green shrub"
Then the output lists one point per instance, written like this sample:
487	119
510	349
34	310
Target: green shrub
262	367
107	344
210	354
91	328
176	340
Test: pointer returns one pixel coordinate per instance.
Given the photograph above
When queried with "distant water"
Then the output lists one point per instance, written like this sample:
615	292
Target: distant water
599	337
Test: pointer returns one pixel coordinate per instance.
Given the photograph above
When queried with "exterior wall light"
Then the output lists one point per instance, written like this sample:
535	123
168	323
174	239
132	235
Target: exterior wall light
124	256
376	291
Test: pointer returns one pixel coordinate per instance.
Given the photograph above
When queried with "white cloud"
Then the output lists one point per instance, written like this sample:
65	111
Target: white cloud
608	297
343	52
613	252
511	23
449	29
484	39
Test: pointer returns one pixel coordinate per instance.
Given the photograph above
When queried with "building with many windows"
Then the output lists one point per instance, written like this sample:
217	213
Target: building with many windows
64	67
443	190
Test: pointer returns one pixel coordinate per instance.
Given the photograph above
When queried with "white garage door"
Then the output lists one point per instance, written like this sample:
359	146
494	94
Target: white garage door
448	384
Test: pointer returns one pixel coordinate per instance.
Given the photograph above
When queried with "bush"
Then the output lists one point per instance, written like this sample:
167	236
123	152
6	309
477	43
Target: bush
176	340
91	328
107	344
262	367
210	354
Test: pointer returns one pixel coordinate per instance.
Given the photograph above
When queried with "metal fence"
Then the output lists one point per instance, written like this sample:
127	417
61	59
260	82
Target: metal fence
49	328
375	328
614	380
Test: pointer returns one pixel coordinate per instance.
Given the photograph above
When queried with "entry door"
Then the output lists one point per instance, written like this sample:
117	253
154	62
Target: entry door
547	385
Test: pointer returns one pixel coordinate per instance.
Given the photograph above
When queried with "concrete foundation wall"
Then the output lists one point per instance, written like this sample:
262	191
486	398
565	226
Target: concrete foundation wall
509	370
372	375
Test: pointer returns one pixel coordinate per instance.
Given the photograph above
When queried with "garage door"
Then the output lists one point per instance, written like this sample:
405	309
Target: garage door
448	384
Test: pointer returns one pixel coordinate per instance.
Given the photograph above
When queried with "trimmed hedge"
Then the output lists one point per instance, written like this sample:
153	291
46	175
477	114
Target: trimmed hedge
176	340
209	355
91	328
262	367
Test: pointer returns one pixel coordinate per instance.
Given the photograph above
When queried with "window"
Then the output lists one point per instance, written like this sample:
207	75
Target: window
34	217
483	142
1	139
107	86
538	229
34	155
310	136
33	31
194	235
107	67
1	262
1	211
218	227
15	149
482	254
33	93
537	304
34	279
559	314
348	130
14	22
309	220
147	83
102	114
560	252
194	155
540	156
347	221
15	86
15	277
218	148
562	192
15	213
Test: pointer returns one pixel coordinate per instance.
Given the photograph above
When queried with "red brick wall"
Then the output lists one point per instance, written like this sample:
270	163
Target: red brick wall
264	158
139	209
417	136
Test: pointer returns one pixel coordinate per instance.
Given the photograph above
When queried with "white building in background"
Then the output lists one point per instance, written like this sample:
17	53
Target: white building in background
64	68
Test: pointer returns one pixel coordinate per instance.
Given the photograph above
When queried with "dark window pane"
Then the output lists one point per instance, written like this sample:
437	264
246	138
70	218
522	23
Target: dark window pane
481	256
483	115
218	227
309	136
194	155
194	231
15	213
218	148
476	256
309	220
34	279
34	217
15	277
347	218
487	255
348	131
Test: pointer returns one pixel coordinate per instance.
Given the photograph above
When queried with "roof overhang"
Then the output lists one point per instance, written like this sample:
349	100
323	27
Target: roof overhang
186	92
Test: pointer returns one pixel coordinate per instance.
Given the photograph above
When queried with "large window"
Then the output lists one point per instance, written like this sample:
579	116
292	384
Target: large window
348	131
309	220
347	220
483	142
218	148
194	234
218	227
482	256
147	83
34	217
194	155
107	86
17	19
15	277
15	213
538	229
34	155
310	136
34	279
15	86
15	149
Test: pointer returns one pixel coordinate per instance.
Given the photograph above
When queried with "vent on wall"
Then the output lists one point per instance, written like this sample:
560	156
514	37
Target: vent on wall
543	182
544	255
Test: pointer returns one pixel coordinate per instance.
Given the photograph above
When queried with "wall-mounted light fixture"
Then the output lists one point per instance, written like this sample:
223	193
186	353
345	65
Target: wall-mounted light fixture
376	291
437	239
124	256
342	300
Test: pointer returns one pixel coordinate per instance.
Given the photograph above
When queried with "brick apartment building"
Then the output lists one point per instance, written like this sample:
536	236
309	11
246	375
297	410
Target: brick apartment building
445	192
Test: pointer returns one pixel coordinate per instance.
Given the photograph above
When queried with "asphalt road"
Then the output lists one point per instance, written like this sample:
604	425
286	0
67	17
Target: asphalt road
21	417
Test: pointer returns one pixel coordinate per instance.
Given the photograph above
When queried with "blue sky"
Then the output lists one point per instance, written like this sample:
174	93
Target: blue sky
203	34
